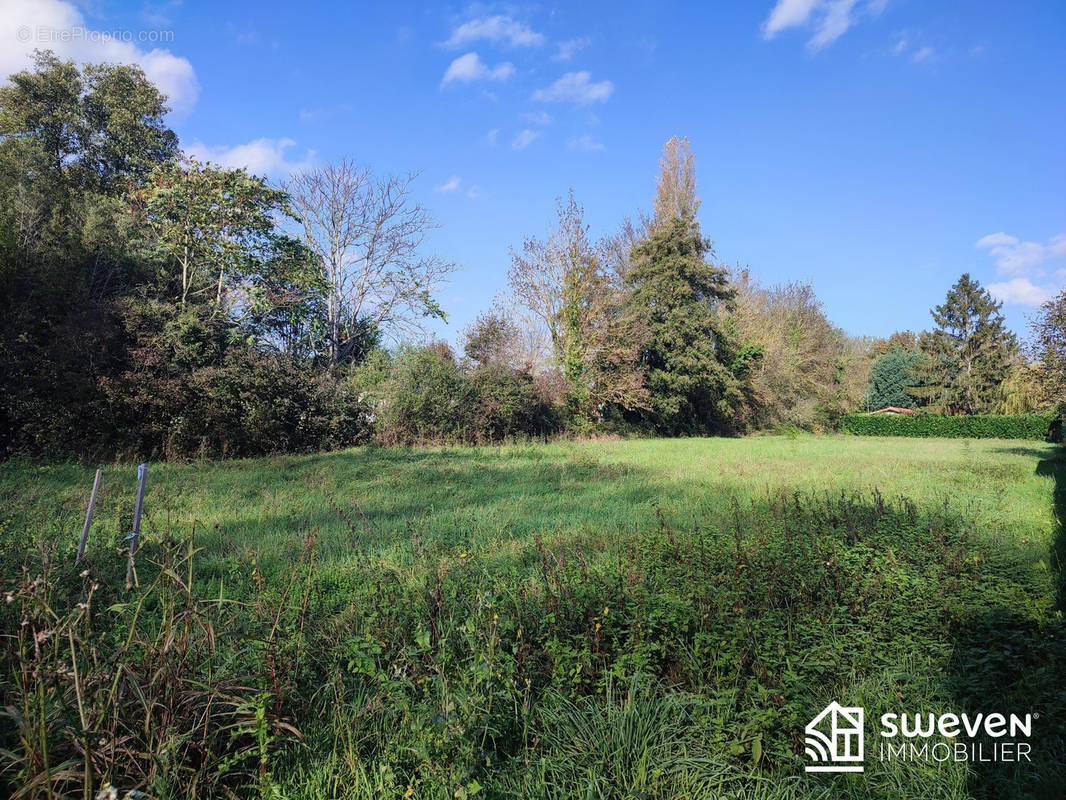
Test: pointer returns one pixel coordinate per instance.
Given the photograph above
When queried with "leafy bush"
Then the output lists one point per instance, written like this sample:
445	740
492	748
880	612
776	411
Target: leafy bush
508	406
192	387
974	426
426	399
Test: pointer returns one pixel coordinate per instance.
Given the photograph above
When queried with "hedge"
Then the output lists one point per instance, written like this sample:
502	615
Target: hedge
1045	427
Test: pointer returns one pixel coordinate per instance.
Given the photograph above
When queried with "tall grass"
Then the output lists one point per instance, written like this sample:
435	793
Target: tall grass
414	634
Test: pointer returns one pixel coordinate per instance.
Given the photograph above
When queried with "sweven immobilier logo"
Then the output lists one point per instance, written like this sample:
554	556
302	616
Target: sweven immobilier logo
835	739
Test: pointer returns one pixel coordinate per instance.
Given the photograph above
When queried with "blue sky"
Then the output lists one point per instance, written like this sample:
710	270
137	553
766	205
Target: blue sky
875	149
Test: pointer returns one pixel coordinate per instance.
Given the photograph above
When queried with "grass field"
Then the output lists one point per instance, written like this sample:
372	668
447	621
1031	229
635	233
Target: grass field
650	618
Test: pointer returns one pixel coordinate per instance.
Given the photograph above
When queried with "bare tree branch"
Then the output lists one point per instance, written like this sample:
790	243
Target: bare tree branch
368	234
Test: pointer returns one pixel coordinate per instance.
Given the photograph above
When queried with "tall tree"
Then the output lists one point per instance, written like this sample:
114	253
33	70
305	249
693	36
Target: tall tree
969	353
1049	349
678	294
809	372
212	228
99	126
565	283
369	236
675	194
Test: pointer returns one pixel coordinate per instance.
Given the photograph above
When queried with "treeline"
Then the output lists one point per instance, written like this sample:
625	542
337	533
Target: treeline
154	306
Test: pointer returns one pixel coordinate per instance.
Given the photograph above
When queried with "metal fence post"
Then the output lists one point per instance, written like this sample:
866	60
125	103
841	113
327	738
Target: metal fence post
88	517
142	476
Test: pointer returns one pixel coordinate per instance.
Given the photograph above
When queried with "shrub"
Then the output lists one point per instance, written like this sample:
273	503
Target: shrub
975	426
193	387
507	405
426	399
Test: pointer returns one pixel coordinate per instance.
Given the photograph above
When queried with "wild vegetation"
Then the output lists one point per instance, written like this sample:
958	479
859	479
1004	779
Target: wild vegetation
596	615
610	619
196	311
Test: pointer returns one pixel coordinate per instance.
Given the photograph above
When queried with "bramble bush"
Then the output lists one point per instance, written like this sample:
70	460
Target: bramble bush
428	399
1038	427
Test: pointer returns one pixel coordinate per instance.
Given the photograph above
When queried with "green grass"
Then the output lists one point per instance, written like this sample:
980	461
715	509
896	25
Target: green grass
469	614
470	498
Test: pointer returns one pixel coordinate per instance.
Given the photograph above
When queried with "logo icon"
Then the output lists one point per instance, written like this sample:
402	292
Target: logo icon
834	740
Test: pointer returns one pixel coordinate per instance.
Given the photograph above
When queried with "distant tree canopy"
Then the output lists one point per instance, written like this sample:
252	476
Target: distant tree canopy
154	306
96	127
803	371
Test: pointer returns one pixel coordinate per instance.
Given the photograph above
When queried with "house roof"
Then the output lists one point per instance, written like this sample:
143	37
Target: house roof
894	410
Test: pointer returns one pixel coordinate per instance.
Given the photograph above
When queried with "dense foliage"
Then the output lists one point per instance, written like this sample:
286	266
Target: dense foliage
155	307
797	369
890	376
1041	427
678	294
1049	350
968	354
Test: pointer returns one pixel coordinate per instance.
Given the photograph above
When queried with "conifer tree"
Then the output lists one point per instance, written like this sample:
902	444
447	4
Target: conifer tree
676	294
968	354
891	375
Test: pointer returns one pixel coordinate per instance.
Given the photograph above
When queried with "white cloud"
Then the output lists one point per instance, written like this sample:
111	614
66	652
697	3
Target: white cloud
996	240
835	22
575	87
538	117
566	50
474	192
260	157
471	68
900	46
492	136
788	14
314	115
923	54
1020	292
452	184
830	19
524	139
26	25
586	143
1013	257
498	29
1023	260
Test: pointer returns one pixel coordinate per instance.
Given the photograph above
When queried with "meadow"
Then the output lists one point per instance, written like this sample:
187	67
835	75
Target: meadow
630	619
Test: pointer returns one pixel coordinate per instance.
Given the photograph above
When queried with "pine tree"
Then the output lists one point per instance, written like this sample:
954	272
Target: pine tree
676	294
892	373
968	355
